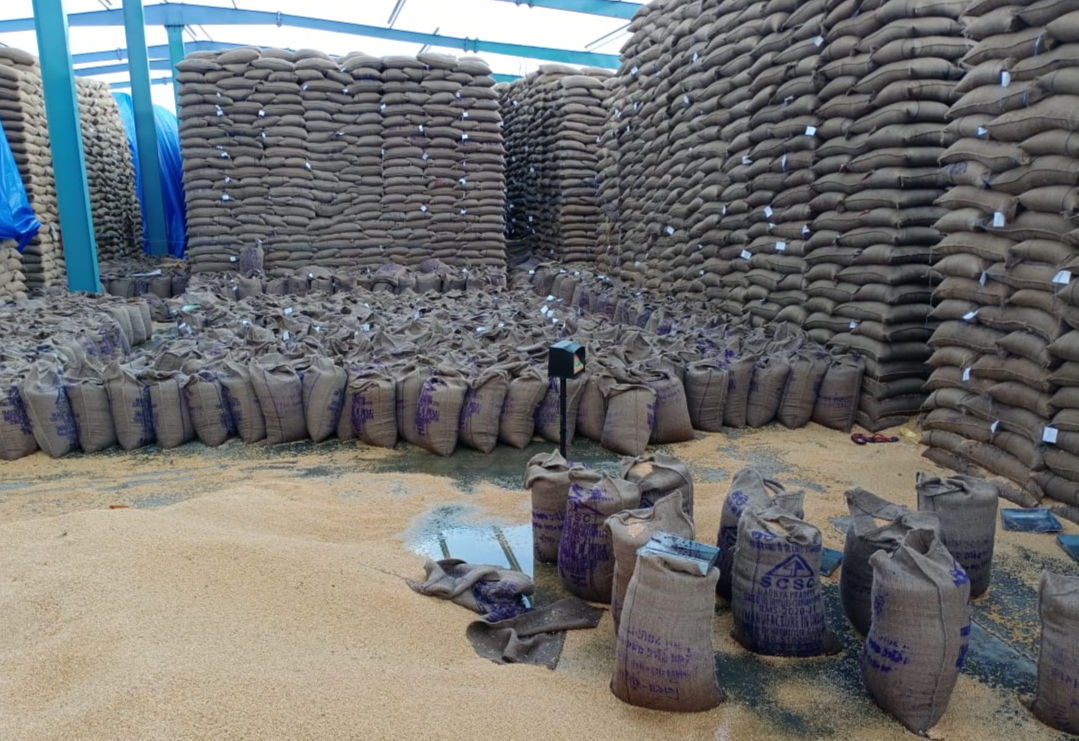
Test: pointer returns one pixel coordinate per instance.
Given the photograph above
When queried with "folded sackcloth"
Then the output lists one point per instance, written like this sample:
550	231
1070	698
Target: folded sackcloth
495	593
533	637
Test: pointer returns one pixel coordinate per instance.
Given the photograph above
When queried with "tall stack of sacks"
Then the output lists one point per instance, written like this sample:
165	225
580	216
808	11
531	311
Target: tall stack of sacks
899	71
110	172
340	162
1002	381
26	128
770	157
557	116
658	130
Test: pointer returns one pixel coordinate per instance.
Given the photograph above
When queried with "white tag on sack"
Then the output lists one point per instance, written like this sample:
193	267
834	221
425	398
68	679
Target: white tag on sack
288	311
811	130
635	70
464	137
232	258
696	57
285	336
783	162
366	327
1049	435
806	231
226	197
262	114
781	246
818	41
670	231
983	278
982	131
700	272
746	254
970	315
423	208
1063	278
994	427
747	161
1005	78
768	212
531	272
966	374
853	323
998	219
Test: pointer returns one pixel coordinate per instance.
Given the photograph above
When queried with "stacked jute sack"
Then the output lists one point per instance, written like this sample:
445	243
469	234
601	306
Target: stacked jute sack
554	118
894	70
110	172
22	114
781	159
340	162
52	392
1003	383
145	276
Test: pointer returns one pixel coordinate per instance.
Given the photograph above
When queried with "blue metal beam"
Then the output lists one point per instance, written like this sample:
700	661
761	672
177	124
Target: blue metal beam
159	51
158	65
126	84
607	8
65	141
177	52
179	14
153	202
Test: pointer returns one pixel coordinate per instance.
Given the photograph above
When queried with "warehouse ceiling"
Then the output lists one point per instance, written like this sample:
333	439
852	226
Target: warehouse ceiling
484	20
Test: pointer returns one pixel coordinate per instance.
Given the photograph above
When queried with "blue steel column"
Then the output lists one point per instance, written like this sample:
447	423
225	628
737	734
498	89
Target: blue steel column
65	141
153	203
176	55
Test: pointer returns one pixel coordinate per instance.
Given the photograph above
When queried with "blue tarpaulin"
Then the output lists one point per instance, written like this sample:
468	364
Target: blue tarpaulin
17	219
172	173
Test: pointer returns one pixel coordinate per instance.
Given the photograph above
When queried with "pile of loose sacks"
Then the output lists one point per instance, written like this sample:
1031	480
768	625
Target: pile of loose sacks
435	356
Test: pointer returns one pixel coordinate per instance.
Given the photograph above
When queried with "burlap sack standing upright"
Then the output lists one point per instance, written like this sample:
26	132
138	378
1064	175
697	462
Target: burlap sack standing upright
749	490
1057	701
776	594
918	640
967	509
631	529
585	552
658	475
876	525
547	479
50	410
664	658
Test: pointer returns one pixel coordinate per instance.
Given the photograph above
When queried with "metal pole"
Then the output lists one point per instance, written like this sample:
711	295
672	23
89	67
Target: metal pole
65	141
176	55
562	416
153	203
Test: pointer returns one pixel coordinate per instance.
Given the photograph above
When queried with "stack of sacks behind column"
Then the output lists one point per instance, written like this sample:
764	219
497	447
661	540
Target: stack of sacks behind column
341	163
1004	385
899	63
110	172
554	119
23	118
774	104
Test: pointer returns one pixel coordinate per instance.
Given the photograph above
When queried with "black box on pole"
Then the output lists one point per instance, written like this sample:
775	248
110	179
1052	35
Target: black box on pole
565	359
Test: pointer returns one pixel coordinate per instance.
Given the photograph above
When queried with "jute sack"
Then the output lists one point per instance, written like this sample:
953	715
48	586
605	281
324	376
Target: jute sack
585	552
370	410
776	594
664	658
518	421
630	417
482	411
547	481
803	386
172	419
16	430
429	405
323	389
837	400
280	395
90	404
631	529
766	390
876	525
967	509
671	414
132	411
50	411
243	402
706	394
548	414
658	475
917	642
1057	701
592	408
748	490
208	408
